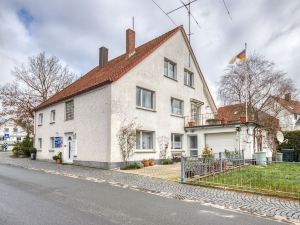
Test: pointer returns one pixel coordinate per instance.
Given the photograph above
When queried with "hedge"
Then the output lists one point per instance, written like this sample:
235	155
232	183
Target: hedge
293	142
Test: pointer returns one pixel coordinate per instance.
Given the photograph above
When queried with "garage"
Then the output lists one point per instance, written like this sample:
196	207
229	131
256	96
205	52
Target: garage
221	141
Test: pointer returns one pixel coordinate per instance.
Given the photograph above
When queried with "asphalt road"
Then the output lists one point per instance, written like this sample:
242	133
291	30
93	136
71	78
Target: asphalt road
35	198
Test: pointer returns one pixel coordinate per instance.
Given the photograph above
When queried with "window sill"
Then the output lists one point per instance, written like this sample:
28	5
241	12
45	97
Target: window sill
51	150
171	78
179	116
177	150
146	109
189	86
39	125
52	122
145	151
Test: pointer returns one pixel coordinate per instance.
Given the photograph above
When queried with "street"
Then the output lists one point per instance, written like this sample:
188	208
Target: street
35	198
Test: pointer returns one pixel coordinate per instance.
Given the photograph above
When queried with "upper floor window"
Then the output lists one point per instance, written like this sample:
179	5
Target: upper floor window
170	69
52	116
40	119
177	106
144	139
188	78
176	141
6	130
70	110
15	130
145	98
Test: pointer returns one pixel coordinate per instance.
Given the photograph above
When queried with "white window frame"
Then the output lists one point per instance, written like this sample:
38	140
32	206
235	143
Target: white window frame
52	116
187	81
139	98
173	111
40	142
167	69
52	142
40	119
173	140
71	117
15	130
139	137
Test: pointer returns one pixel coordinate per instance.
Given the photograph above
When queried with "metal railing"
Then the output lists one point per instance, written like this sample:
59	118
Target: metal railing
201	120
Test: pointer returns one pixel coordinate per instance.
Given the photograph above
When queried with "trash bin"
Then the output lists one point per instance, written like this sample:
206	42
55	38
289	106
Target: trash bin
279	156
261	158
33	156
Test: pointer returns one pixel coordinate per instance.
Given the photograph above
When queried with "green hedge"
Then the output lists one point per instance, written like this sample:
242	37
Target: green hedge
293	140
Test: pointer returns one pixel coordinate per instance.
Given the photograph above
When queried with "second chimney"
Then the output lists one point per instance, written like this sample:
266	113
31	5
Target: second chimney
103	56
288	96
130	42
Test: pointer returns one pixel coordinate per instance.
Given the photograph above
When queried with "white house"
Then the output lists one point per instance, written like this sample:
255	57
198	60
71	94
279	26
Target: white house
10	134
156	85
287	111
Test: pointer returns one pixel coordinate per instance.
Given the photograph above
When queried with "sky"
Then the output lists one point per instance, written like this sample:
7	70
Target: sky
73	30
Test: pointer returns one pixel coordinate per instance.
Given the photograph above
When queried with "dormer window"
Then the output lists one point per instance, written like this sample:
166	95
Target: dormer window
170	69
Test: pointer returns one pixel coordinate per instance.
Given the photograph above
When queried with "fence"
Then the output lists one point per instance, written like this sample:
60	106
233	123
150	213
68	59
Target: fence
277	178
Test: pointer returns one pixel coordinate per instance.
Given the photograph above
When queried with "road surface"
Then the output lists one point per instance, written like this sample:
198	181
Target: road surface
35	198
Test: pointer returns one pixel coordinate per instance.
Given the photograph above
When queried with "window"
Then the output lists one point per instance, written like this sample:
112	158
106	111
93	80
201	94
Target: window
70	110
170	69
177	106
176	141
188	78
40	119
19	139
52	142
144	140
6	130
144	98
15	130
52	116
40	143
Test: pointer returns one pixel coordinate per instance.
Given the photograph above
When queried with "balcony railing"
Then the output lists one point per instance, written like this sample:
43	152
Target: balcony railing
201	120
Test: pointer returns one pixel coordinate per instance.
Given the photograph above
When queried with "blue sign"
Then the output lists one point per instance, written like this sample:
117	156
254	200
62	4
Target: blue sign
57	142
6	136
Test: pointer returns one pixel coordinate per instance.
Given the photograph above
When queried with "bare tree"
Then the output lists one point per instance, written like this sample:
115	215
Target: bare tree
257	79
34	82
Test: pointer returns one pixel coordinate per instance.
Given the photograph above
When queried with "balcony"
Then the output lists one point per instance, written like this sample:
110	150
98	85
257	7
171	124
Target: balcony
202	120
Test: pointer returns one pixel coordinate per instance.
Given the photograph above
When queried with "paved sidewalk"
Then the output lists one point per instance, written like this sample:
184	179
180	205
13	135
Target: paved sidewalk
250	203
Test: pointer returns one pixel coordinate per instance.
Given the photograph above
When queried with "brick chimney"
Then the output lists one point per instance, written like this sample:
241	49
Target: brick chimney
103	56
288	96
130	42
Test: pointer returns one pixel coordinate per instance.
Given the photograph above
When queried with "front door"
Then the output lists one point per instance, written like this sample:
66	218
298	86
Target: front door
193	146
69	149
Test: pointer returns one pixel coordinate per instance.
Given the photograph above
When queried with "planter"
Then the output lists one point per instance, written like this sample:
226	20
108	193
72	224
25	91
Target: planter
279	156
243	119
58	161
261	158
192	123
151	162
146	163
33	156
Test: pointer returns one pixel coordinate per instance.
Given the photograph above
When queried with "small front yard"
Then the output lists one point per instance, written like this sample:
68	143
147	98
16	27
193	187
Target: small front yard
281	179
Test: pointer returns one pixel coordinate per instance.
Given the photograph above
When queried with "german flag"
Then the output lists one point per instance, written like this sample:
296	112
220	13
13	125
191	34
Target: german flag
241	56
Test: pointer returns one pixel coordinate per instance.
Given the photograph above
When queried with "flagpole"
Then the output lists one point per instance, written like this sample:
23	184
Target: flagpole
246	86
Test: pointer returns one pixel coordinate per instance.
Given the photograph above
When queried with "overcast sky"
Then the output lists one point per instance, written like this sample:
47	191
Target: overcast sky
73	30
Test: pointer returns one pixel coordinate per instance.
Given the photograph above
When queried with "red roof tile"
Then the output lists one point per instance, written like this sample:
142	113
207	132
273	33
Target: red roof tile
113	70
291	105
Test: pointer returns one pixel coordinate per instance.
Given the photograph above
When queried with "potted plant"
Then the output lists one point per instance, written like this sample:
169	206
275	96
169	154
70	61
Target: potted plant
192	123
243	119
58	158
33	153
151	162
145	162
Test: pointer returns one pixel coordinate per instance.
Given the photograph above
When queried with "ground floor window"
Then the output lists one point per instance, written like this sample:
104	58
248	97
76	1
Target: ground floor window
40	143
176	141
52	142
144	139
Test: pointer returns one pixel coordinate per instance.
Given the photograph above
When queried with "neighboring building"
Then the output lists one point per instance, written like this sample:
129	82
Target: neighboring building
10	134
287	111
155	85
227	130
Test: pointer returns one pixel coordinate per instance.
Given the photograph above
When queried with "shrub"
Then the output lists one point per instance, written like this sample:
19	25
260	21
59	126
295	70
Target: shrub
58	156
293	142
132	166
23	148
207	153
33	150
167	161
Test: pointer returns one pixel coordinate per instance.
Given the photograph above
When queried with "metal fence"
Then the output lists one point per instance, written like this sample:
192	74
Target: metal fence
276	178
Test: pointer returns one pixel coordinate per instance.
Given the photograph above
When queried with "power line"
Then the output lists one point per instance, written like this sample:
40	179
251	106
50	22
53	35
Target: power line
224	3
185	5
165	12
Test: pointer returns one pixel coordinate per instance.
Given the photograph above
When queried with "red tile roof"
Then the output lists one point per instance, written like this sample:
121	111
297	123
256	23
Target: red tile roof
112	71
291	105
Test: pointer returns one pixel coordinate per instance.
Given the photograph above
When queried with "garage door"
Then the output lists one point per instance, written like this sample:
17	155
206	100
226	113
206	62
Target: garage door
221	141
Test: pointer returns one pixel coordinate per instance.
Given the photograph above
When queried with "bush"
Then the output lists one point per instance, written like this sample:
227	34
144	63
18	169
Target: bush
167	161
32	150
207	153
23	148
58	156
293	142
132	166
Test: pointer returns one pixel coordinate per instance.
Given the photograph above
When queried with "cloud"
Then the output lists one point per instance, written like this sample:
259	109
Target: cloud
73	30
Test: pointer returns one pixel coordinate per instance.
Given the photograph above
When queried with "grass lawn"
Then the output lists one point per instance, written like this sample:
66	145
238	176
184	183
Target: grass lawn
281	179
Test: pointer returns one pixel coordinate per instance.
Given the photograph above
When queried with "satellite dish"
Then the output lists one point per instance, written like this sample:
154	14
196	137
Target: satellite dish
279	136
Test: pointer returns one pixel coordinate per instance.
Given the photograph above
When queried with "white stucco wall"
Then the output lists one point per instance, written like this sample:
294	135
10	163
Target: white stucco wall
149	74
91	124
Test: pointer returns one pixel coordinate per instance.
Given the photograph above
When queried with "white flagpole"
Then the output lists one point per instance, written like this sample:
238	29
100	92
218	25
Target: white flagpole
246	87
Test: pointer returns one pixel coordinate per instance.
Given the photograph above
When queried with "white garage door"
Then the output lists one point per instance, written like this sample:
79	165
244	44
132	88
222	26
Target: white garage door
221	141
